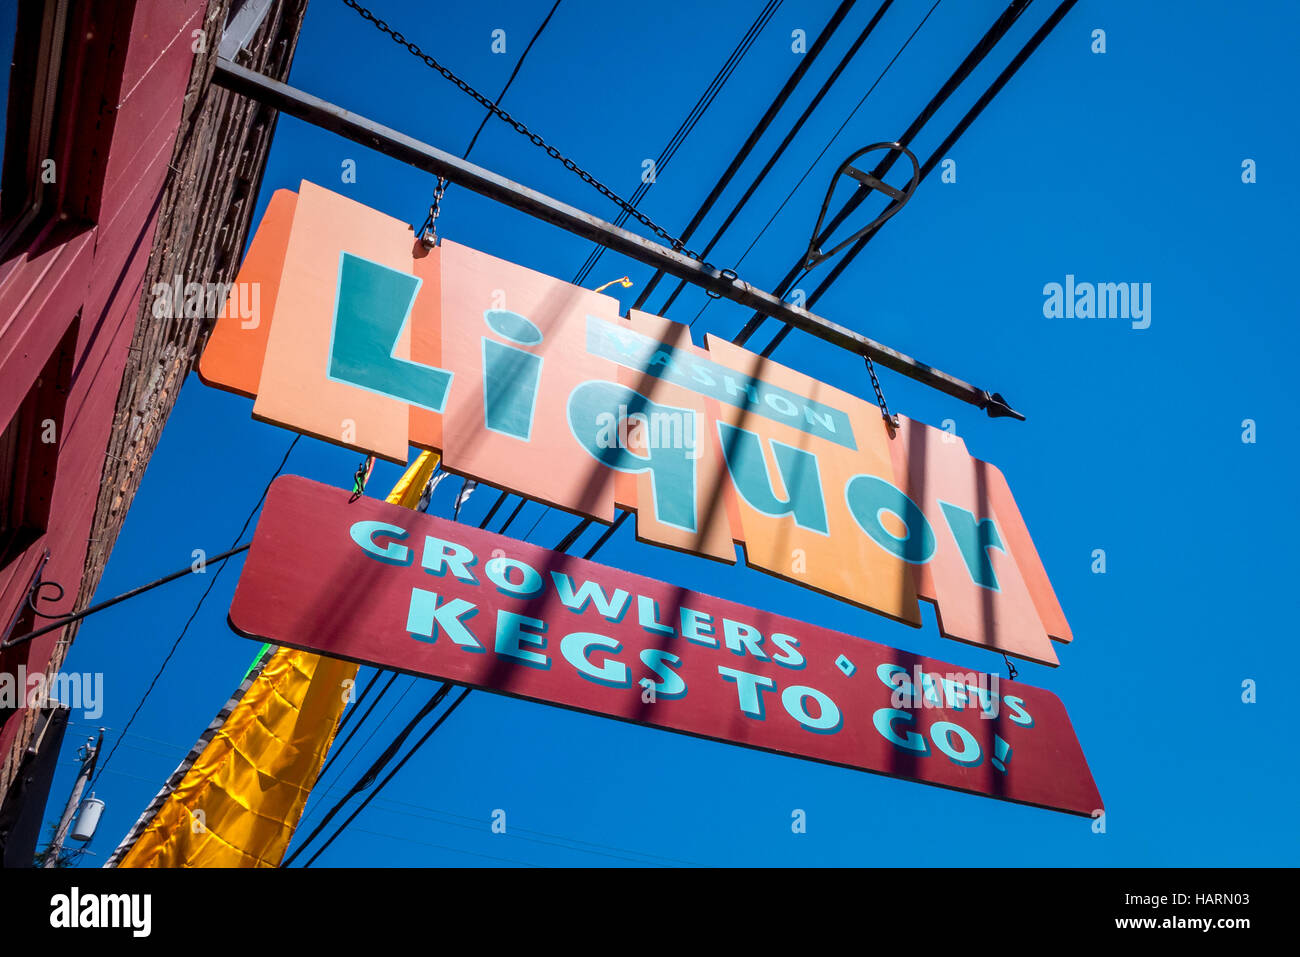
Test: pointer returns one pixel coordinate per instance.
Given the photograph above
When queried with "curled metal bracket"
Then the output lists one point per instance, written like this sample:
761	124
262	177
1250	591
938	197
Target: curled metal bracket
35	595
871	182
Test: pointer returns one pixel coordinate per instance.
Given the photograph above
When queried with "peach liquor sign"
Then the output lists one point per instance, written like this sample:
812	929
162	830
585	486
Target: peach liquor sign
540	387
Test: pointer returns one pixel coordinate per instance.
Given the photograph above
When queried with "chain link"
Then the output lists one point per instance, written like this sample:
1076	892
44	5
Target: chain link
880	395
429	231
537	140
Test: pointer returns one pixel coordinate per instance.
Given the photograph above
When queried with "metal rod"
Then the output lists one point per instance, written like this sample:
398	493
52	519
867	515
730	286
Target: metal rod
422	156
69	619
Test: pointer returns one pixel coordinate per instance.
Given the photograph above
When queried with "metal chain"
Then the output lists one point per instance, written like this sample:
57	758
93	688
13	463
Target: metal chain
888	416
429	231
551	151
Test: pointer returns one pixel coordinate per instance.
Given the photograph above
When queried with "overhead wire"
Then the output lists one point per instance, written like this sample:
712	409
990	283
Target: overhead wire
811	166
334	752
189	621
837	17
990	39
687	126
357	752
760	177
938	154
369	776
414	49
513	73
584	523
391	774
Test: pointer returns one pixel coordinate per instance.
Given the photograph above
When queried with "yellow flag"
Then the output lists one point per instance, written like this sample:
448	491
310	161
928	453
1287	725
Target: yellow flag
237	798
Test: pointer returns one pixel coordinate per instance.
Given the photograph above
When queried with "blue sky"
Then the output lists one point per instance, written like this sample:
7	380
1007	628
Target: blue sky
1116	167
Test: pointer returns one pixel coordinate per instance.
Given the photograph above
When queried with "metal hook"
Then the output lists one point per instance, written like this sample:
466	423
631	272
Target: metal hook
35	595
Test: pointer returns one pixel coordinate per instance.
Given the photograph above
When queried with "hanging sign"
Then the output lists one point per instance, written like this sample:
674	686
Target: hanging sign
378	584
540	387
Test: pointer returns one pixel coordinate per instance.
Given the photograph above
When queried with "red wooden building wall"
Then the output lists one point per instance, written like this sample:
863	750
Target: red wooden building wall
76	239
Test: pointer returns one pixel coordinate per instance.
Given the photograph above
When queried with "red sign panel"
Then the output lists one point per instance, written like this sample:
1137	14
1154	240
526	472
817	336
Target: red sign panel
380	584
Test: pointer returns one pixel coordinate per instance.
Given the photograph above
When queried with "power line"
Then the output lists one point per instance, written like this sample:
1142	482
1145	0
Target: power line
392	676
584	523
493	109
749	144
534	840
371	773
391	774
535	138
357	752
465	822
443	847
790	137
189	621
513	73
936	157
983	46
476	823
374	676
696	114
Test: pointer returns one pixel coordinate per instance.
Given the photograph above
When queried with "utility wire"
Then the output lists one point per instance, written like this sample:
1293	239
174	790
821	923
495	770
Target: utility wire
666	155
977	54
584	523
371	773
535	138
513	73
357	752
972	59
937	156
189	621
347	716
734	166
493	109
811	166
334	752
696	114
444	847
391	774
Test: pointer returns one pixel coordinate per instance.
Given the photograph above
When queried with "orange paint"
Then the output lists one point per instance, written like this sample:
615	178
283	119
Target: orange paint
233	356
426	340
